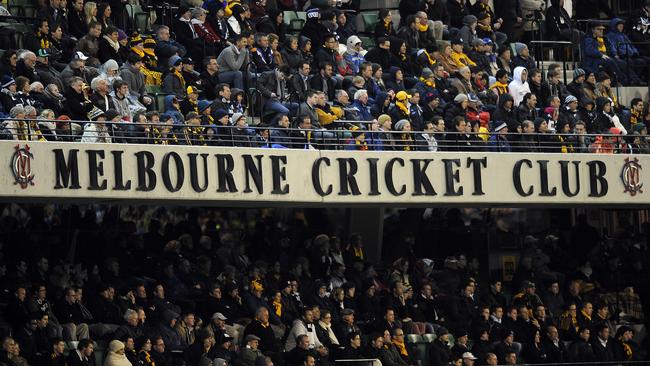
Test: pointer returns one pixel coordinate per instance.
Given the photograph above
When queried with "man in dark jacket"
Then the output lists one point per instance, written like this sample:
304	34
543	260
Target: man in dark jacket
261	327
506	113
439	352
581	350
209	78
77	104
380	54
593	58
323	81
166	47
275	93
554	347
601	343
558	23
70	316
83	355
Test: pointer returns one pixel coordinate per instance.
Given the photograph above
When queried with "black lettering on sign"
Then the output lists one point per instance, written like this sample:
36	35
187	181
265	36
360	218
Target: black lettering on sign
543	175
452	176
348	183
279	172
253	171
96	170
598	185
146	175
194	172
388	177
67	173
421	179
564	169
166	171
477	165
315	177
516	177
374	176
119	173
225	166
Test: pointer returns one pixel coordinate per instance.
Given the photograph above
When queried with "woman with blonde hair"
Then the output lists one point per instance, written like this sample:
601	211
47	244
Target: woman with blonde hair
90	8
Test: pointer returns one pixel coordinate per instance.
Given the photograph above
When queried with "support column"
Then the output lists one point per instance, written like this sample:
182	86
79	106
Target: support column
369	222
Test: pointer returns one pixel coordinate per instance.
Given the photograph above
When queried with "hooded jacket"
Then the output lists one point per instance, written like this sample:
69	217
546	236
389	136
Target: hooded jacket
504	115
170	110
619	41
518	87
557	19
603	121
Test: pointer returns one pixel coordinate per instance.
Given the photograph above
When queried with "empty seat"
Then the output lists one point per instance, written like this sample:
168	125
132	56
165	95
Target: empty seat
429	337
413	338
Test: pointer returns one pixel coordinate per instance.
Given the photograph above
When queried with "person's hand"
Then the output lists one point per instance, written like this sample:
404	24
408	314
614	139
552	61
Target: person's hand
497	25
322	351
147	100
519	20
273	95
605	57
500	20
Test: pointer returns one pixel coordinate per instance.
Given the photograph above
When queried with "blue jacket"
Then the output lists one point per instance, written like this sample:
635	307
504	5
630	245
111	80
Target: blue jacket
618	39
176	115
591	56
499	143
364	111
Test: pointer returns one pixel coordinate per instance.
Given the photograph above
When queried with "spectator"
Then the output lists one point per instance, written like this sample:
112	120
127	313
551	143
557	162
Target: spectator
83	355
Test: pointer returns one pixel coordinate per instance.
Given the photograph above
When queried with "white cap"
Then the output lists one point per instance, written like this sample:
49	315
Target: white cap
469	355
80	56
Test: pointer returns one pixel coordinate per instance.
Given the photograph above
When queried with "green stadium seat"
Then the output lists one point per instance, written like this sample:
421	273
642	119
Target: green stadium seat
288	16
412	338
429	337
369	22
160	102
367	42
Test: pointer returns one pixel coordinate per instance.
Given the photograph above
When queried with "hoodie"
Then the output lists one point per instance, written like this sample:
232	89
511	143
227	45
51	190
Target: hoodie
518	87
619	41
501	114
353	58
603	121
173	111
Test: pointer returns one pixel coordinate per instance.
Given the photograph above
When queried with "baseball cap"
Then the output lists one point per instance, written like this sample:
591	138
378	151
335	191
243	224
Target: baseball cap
219	316
43	52
193	90
402	95
469	355
80	56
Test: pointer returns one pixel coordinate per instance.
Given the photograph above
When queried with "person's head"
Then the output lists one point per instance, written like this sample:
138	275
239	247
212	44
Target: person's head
311	97
365	69
636	105
58	346
354	339
121	88
28	58
305	68
86	347
158	344
329	42
587	308
302	341
94	29
326	69
584	334
309	360
240	41
210	64
491	359
42	27
597	30
602	330
383	43
342	97
510	358
459	123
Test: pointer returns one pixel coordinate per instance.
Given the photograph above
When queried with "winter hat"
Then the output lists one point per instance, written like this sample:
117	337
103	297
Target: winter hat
469	19
457	40
7	80
175	60
569	99
501	125
121	35
578	73
538	121
111	113
236	117
487	40
95	113
432	95
149	43
384	117
427	73
313	13
477	42
460	98
136	39
519	47
602	76
193	90
204	104
219	114
399	126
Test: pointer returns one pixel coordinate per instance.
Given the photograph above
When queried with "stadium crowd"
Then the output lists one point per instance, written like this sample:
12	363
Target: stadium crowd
447	71
176	286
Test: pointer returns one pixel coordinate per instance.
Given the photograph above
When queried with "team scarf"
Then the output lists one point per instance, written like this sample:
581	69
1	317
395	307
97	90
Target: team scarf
401	347
486	28
402	107
500	87
601	44
427	82
180	77
423	27
277	306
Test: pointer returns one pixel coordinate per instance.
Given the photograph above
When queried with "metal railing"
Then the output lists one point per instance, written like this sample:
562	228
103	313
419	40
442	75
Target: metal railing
363	136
